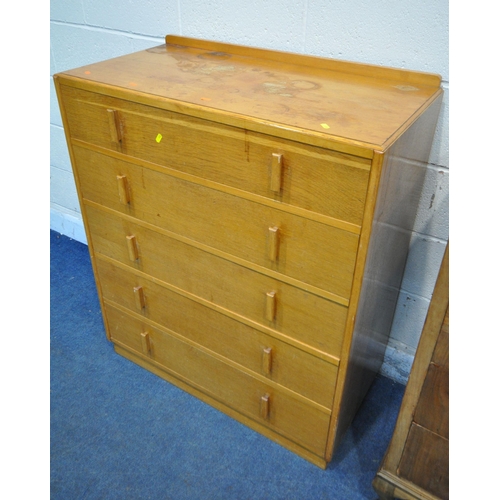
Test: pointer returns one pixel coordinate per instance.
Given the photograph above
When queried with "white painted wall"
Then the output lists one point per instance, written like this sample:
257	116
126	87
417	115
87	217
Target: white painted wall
399	33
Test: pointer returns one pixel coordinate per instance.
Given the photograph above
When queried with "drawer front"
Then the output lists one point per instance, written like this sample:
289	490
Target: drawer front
283	413
304	176
306	250
306	317
284	364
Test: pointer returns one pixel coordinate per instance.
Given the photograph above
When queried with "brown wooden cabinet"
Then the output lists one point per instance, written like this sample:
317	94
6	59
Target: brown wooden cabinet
416	465
248	215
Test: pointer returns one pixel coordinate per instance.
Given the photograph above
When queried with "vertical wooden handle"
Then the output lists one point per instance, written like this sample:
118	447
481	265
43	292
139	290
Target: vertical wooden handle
114	126
276	170
267	360
140	300
273	243
123	189
133	249
264	407
270	305
146	343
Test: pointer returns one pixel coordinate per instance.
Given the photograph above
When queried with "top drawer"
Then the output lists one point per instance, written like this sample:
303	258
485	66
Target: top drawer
304	176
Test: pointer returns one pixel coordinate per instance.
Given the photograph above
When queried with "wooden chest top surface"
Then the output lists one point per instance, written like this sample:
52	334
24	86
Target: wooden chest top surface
363	104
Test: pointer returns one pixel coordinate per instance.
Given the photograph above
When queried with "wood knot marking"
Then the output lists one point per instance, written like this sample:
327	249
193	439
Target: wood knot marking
406	88
289	89
304	85
215	55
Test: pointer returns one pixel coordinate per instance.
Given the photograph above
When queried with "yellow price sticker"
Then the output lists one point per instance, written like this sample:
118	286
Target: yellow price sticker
325	125
159	137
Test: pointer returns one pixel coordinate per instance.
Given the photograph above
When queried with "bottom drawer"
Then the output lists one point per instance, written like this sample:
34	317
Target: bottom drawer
282	412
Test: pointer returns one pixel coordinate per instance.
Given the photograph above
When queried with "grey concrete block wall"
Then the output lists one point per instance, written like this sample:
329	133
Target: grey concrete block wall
403	34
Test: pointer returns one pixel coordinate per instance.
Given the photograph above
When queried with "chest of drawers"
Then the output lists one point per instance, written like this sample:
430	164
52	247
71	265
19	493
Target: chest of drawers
248	215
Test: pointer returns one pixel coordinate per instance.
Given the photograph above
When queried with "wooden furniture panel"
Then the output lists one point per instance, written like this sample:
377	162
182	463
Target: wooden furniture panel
425	461
248	214
284	413
416	465
357	106
255	350
435	392
314	179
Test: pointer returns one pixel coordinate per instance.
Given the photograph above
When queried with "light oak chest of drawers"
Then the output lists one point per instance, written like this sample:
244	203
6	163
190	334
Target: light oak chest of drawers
248	216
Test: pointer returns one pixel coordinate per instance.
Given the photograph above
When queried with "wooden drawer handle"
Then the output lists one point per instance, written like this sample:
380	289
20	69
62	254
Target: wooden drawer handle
114	126
133	249
267	360
140	300
273	243
123	189
270	306
264	407
146	343
276	173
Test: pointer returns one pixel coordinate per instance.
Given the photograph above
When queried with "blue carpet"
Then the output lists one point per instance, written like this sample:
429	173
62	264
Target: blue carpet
120	432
